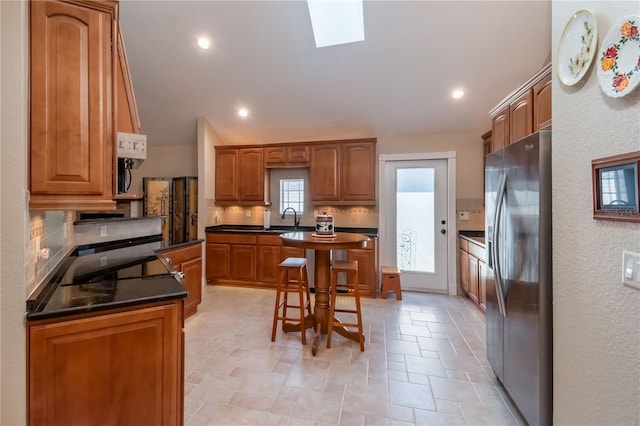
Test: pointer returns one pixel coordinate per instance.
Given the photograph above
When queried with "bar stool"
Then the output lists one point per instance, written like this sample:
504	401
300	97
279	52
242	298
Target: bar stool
350	267
296	268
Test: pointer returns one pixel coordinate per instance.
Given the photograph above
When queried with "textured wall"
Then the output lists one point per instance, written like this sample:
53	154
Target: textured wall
596	318
13	218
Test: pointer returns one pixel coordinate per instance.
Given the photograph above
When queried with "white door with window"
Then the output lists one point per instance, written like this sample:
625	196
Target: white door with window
417	222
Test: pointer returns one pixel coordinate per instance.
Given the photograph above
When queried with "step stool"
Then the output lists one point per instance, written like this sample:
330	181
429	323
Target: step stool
390	281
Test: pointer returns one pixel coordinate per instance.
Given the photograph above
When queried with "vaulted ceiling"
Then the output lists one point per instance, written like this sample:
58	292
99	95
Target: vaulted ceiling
263	56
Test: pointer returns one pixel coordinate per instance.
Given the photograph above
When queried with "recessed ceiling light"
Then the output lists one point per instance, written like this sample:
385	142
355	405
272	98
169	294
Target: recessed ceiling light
457	94
204	43
243	112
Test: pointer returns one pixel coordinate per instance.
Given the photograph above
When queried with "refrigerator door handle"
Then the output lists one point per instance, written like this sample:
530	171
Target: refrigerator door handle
496	244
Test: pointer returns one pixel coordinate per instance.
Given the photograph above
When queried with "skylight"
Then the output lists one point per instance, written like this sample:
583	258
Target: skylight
336	21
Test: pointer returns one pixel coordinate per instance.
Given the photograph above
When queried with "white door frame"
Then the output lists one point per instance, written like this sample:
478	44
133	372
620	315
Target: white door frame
450	156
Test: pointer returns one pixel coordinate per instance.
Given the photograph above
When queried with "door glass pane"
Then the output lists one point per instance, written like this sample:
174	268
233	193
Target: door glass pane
414	219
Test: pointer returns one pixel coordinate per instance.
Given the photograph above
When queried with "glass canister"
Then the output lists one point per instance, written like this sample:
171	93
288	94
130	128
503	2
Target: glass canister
324	224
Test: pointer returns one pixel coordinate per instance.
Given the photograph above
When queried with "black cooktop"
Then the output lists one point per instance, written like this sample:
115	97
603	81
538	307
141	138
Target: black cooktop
105	276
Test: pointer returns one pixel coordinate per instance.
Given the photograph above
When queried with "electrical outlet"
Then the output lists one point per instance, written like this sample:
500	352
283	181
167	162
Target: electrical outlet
103	230
463	215
248	212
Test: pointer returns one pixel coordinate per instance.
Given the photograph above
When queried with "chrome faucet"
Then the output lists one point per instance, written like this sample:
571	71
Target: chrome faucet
296	219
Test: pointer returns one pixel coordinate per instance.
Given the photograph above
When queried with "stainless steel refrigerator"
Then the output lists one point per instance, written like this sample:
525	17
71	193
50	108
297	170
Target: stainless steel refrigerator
519	310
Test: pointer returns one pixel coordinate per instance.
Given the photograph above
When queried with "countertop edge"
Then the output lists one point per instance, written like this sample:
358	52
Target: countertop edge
62	313
180	245
275	230
472	237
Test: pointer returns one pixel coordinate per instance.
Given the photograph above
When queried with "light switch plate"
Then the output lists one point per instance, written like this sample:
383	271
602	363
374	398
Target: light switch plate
631	269
463	215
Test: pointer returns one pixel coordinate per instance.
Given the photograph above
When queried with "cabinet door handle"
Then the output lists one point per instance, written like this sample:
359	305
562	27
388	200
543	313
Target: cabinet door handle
168	260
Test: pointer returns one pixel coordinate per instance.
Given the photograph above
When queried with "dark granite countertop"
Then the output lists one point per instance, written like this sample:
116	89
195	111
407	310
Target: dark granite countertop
180	245
102	276
253	229
473	236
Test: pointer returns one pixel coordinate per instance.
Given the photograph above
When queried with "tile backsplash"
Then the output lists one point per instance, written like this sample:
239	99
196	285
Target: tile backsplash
470	214
52	235
50	239
363	216
101	231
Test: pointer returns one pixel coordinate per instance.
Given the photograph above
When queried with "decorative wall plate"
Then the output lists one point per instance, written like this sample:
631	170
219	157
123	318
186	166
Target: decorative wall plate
578	45
619	58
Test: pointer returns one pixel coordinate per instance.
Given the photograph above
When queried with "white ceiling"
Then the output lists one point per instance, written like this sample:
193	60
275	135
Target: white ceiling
263	56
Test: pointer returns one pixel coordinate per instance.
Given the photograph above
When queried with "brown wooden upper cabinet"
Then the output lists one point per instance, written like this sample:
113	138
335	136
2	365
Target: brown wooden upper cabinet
287	156
240	176
127	109
542	104
523	112
521	116
500	133
226	175
72	137
324	175
343	173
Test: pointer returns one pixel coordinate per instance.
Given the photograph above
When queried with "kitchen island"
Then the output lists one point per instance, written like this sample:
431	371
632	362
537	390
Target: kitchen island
105	338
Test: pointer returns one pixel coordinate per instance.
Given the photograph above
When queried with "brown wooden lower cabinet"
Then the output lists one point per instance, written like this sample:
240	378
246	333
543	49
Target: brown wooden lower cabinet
243	262
188	260
246	260
482	280
118	368
252	261
464	270
367	270
473	279
472	270
268	259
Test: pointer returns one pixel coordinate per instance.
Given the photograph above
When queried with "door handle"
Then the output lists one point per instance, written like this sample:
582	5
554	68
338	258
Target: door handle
443	231
496	245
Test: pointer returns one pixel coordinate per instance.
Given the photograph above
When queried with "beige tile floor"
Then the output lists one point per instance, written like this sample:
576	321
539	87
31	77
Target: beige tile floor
424	364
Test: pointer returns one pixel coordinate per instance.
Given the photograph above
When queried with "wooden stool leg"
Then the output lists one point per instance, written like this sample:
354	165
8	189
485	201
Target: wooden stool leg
398	289
301	297
277	307
356	293
384	290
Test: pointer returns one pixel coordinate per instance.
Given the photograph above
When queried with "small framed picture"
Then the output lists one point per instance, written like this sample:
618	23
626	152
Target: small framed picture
615	187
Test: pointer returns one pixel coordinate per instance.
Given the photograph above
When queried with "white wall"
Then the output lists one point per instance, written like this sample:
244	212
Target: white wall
207	140
467	145
13	211
166	161
596	318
